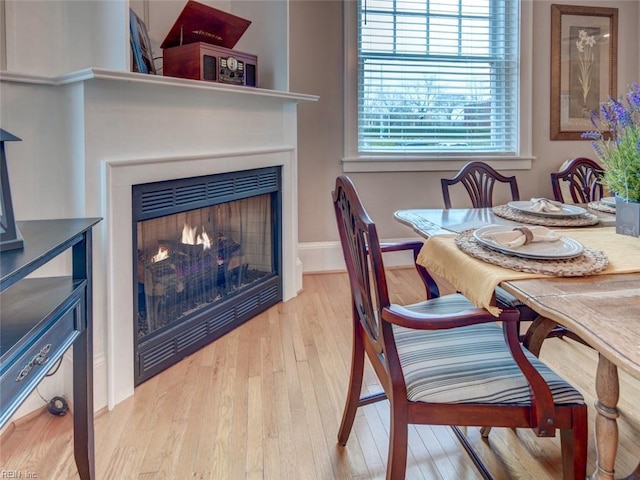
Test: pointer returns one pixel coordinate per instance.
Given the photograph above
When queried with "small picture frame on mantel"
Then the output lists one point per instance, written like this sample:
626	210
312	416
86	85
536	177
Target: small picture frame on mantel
142	55
584	52
10	237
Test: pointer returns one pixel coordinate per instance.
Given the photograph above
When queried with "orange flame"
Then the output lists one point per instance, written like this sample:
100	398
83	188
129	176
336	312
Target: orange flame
189	237
204	240
163	253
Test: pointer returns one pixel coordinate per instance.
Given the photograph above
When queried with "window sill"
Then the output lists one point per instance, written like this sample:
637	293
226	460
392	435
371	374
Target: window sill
422	164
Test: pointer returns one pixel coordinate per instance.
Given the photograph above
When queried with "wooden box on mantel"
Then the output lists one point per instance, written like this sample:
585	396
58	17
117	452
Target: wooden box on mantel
202	61
199	46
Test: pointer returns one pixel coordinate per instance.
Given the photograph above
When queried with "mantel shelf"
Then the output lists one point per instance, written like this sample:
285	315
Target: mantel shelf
103	74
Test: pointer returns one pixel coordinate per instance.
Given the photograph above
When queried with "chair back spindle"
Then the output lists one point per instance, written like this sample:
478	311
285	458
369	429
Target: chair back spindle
479	179
363	259
579	178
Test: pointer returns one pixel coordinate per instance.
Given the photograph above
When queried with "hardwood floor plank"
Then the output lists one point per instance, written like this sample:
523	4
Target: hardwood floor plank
255	437
362	450
286	442
293	350
275	339
237	450
196	422
112	427
267	390
213	449
424	457
319	448
165	432
272	459
301	433
296	334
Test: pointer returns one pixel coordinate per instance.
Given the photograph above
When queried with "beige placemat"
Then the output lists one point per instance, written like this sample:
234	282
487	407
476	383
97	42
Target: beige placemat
505	211
478	279
601	207
590	262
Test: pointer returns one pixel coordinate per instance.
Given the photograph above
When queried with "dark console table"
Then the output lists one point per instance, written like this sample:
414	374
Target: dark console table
41	317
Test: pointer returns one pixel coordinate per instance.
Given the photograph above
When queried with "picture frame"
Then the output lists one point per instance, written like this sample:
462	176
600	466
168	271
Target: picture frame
10	237
142	55
584	53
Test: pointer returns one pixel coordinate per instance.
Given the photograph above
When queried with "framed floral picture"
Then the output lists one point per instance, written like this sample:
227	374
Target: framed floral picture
584	53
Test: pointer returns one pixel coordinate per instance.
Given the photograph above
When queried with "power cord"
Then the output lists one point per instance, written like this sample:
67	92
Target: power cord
54	370
57	405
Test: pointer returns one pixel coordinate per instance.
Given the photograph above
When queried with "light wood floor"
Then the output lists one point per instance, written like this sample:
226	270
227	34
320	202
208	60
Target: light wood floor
265	402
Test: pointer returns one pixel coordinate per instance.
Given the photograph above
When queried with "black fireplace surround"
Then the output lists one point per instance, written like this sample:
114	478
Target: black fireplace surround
207	258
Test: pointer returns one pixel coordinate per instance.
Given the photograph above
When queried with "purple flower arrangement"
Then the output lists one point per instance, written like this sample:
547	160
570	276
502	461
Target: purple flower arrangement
616	141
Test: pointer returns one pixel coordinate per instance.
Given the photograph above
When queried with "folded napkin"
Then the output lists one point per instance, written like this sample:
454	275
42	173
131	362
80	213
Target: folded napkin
545	205
523	235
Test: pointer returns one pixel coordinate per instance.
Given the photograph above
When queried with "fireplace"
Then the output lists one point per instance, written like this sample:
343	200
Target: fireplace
207	256
132	129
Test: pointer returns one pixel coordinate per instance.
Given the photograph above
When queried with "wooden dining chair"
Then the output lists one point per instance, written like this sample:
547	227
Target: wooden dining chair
443	361
479	180
578	179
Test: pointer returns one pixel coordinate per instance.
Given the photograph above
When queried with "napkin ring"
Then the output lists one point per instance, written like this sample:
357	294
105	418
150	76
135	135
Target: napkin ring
528	235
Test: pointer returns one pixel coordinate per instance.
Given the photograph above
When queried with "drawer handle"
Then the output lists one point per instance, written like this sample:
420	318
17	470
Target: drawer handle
39	359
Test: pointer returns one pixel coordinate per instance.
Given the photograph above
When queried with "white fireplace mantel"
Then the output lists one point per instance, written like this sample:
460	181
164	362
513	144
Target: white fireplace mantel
89	136
116	75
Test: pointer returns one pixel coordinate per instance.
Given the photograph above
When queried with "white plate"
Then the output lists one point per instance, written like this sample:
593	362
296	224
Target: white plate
563	248
608	201
567	210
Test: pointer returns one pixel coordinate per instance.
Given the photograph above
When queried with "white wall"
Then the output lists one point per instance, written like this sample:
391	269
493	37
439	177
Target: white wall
46	37
3	37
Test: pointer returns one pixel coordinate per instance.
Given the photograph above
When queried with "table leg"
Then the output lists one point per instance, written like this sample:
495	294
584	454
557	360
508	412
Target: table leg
537	333
607	391
83	434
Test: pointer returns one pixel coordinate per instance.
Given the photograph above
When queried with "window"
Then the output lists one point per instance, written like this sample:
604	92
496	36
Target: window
434	78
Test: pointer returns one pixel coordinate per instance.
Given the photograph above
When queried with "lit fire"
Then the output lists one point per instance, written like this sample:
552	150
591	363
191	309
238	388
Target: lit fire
189	237
163	253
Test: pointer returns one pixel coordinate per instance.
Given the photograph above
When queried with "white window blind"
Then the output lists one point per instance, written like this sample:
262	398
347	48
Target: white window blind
438	76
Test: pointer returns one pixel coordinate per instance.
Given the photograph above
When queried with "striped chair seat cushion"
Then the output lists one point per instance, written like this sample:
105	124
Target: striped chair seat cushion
470	364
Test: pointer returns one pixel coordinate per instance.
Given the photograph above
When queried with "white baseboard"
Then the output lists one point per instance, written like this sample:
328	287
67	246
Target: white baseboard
99	380
327	256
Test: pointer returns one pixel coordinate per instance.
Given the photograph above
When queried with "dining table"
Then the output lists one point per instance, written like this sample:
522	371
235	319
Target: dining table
602	307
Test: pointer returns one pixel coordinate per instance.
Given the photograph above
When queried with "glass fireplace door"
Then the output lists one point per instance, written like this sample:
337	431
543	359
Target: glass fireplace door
189	260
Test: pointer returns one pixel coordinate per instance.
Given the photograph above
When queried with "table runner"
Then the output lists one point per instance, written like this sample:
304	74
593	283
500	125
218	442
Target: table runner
477	280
